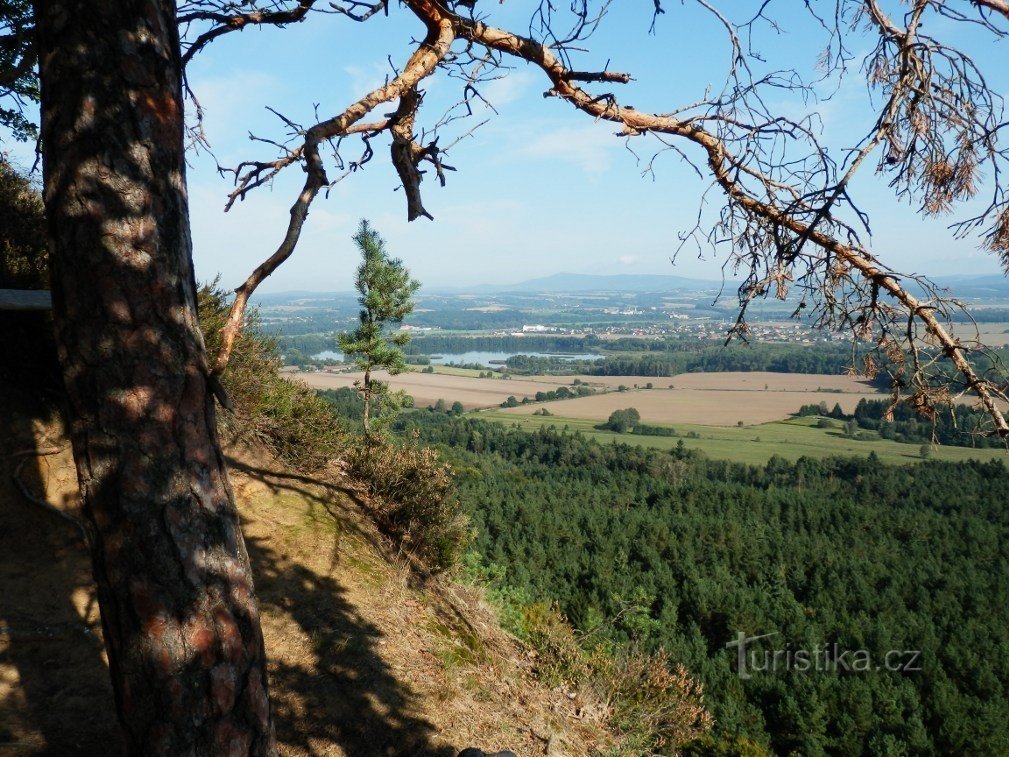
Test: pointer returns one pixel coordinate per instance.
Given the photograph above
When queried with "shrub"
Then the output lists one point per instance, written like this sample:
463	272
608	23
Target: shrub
622	421
655	705
30	350
413	497
290	419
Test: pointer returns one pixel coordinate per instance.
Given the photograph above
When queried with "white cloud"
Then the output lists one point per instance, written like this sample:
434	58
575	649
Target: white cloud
234	101
628	259
508	89
589	146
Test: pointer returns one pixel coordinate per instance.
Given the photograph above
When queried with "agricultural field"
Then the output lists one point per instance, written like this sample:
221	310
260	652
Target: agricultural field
756	444
767	381
991	334
707	407
427	388
720	399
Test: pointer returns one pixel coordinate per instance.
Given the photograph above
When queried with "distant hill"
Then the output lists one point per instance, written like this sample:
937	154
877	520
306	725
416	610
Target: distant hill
964	286
980	287
581	282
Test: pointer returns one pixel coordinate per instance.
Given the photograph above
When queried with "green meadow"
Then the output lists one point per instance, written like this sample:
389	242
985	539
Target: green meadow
791	439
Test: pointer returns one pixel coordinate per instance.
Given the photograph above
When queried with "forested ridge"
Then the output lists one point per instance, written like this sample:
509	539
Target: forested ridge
684	552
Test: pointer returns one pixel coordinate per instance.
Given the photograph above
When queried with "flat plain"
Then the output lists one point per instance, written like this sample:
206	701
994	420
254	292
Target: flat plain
703	408
715	399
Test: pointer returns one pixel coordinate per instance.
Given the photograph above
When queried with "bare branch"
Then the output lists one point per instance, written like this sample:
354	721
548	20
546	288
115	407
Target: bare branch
440	35
225	22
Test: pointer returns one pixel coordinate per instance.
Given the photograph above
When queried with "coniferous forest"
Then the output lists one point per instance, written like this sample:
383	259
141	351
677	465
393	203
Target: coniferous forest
670	549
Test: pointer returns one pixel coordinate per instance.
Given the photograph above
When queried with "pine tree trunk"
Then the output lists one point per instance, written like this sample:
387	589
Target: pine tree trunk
179	613
367	402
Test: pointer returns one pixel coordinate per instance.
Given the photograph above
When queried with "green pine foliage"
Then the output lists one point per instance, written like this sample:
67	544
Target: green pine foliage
851	551
385	292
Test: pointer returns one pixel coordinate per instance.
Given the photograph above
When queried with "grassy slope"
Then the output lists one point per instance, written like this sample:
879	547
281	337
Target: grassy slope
756	444
365	657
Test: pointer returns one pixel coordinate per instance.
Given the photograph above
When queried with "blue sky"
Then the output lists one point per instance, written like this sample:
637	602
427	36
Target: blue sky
540	189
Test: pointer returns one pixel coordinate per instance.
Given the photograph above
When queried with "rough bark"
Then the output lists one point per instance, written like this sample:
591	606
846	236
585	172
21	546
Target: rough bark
178	609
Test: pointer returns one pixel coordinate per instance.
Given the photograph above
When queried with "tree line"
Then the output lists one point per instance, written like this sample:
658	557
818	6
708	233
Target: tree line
954	425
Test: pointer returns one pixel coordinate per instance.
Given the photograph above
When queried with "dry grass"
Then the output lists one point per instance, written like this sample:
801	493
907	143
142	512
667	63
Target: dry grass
365	656
706	407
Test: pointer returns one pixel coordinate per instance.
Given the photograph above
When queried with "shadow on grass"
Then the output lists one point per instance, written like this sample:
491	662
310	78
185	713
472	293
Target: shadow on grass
343	692
55	693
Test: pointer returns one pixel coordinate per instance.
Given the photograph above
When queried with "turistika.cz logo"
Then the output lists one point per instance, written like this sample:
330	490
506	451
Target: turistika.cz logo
820	658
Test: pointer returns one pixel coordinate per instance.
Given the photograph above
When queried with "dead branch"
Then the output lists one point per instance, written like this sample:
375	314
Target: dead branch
225	22
407	154
436	44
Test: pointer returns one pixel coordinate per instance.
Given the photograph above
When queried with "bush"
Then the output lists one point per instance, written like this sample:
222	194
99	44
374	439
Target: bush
414	499
644	429
653	704
290	419
622	421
